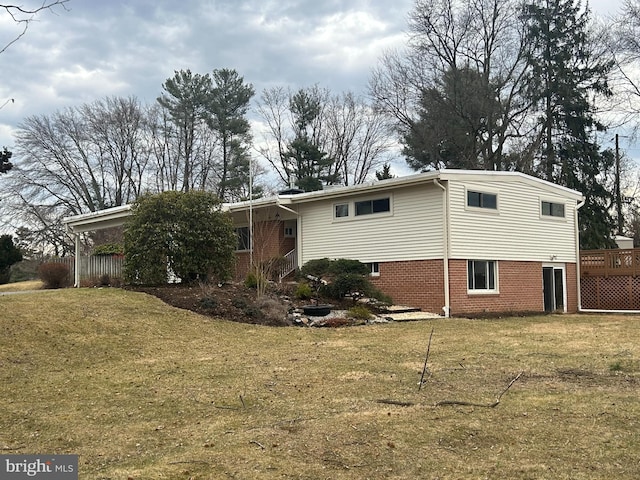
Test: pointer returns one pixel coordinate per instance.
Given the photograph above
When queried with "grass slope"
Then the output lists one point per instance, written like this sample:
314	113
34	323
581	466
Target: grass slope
141	390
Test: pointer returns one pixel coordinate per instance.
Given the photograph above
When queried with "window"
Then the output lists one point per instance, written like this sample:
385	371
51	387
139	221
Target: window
482	200
244	240
551	209
481	275
289	229
375	269
368	207
341	210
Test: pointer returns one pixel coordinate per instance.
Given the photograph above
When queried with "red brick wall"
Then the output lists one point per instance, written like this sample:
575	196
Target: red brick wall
413	283
520	286
420	284
268	242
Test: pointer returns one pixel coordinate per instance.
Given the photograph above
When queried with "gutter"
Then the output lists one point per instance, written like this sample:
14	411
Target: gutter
445	254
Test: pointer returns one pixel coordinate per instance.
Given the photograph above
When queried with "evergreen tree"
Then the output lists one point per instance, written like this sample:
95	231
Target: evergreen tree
385	173
5	164
563	75
9	254
310	166
228	105
452	129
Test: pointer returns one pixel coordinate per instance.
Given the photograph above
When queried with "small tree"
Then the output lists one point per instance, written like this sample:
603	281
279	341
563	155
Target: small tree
183	232
9	254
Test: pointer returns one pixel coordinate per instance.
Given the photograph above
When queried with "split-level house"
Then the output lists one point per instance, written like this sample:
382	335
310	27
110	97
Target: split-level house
451	242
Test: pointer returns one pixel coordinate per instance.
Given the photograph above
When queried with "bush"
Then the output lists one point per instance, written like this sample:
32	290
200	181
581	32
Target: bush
208	303
317	268
54	275
359	312
273	312
108	249
304	291
347	283
344	266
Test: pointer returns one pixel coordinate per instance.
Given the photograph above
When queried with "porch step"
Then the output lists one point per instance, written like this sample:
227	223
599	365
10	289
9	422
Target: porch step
400	309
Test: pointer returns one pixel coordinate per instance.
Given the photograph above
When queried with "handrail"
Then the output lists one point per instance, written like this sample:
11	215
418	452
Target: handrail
289	264
612	262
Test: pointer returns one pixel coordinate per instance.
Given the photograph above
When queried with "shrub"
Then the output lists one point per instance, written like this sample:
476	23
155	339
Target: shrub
317	267
251	281
304	291
53	275
208	303
108	249
273	312
347	283
359	312
344	266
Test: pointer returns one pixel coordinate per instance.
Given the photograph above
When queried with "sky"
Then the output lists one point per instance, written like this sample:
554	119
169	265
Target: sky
99	48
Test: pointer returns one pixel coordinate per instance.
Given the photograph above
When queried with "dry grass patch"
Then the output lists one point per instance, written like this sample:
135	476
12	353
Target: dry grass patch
142	390
21	286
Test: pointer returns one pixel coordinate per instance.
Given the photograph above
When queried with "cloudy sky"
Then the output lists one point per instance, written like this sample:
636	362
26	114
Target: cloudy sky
99	48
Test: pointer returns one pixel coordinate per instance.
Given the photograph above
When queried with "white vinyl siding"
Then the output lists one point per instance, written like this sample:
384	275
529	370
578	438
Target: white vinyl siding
412	230
516	231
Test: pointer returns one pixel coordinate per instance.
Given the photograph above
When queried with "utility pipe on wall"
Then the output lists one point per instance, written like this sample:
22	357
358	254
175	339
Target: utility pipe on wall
445	253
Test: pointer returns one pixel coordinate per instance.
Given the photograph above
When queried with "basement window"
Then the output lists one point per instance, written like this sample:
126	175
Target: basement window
374	269
482	276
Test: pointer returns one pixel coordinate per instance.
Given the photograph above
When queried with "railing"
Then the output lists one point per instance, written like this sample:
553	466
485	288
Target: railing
614	262
289	264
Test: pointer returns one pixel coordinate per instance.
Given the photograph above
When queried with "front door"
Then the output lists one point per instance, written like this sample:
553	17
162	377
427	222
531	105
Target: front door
553	288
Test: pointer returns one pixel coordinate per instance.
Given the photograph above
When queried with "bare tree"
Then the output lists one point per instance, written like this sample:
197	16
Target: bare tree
346	128
24	15
484	36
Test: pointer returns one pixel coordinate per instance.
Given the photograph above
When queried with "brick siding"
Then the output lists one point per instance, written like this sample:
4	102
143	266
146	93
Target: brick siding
420	284
268	242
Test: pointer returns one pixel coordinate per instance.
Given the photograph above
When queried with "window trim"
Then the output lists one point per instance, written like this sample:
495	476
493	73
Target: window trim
374	268
484	291
485	191
248	236
352	208
342	217
552	217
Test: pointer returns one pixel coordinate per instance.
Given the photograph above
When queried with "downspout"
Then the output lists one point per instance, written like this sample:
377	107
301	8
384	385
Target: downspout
577	237
445	234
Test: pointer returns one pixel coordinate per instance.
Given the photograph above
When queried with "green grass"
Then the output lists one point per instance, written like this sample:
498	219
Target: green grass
144	391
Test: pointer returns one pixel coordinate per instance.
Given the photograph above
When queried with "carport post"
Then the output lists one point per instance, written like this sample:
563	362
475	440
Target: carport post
76	261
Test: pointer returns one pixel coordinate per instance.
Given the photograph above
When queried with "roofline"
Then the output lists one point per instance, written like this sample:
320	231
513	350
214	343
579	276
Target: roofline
425	177
122	211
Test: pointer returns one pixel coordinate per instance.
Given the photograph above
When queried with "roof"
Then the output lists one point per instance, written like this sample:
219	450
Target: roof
115	216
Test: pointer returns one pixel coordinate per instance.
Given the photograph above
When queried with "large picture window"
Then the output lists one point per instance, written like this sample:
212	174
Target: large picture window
482	200
481	275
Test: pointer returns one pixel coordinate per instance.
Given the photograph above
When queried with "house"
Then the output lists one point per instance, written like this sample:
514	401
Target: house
452	242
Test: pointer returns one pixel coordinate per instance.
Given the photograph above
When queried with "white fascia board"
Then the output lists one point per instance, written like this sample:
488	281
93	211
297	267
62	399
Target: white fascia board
508	177
109	217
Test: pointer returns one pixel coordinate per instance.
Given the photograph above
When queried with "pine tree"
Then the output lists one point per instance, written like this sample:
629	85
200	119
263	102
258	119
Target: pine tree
563	75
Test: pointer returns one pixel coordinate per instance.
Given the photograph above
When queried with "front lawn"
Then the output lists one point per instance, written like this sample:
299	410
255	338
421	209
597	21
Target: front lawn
143	390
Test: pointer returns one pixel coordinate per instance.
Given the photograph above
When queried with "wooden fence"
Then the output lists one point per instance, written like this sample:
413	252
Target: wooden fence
94	267
610	279
614	262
